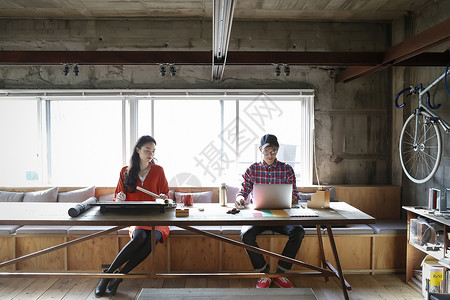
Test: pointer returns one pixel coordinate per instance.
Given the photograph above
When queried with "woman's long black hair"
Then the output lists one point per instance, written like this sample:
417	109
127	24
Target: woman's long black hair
131	176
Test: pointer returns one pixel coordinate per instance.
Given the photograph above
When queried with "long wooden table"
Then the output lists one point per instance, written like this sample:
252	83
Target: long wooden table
30	213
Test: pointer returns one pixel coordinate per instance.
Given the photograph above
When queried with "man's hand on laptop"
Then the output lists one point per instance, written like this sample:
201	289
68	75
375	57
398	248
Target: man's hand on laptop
240	201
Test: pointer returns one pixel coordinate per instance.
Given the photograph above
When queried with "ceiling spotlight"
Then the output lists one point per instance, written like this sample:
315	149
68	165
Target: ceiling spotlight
287	70
277	70
162	70
66	69
76	71
172	70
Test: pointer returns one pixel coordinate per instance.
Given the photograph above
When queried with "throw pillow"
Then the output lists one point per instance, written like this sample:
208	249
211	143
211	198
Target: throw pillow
77	195
49	195
11	197
231	193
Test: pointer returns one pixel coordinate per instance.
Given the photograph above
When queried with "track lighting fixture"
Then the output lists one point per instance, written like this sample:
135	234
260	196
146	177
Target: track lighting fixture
75	70
162	70
172	70
66	69
277	70
287	69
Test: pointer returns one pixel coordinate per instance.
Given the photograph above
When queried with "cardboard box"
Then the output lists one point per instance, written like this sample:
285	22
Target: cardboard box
182	212
320	199
432	275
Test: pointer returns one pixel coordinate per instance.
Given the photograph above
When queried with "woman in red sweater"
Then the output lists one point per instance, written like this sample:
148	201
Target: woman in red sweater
142	172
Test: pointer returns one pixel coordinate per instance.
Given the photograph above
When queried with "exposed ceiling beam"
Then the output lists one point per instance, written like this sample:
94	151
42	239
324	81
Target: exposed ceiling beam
407	49
223	11
204	58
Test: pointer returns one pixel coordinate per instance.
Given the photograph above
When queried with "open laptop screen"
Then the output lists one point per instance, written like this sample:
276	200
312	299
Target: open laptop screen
272	196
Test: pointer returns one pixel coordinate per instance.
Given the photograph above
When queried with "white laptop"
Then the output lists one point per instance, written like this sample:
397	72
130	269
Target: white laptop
272	196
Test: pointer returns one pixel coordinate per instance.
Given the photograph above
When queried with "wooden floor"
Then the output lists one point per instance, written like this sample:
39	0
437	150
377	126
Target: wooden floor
364	287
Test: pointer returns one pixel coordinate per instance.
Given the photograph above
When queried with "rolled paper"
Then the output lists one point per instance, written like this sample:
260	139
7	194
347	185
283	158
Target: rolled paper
81	207
147	192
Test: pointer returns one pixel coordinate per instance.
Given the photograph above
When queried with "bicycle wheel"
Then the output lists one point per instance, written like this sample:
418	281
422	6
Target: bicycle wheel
420	158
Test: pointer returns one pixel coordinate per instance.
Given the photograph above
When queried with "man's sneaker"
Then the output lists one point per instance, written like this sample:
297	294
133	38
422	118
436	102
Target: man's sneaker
264	283
283	282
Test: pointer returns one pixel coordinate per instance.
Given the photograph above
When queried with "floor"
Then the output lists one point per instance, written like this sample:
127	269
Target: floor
365	287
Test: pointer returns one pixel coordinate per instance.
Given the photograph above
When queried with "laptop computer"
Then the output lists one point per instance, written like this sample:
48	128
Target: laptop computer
272	196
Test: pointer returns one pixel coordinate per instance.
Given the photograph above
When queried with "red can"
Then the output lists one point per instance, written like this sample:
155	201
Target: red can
187	200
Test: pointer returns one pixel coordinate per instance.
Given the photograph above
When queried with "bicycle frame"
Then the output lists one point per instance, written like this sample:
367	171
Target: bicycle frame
424	107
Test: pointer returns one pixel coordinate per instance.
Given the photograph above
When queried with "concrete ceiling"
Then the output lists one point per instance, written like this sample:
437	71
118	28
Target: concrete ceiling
324	10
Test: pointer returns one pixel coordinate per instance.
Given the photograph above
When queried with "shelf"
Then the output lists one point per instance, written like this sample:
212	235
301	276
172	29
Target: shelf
445	262
436	254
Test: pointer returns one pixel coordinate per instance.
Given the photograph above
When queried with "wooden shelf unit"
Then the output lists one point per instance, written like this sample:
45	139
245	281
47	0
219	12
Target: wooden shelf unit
414	253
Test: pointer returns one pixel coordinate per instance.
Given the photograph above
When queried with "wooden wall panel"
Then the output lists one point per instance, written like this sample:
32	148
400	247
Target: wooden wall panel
53	261
354	251
390	252
91	254
194	253
309	251
7	252
381	202
235	258
162	252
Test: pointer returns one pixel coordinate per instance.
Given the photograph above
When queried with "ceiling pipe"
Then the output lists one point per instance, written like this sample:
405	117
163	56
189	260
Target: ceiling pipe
223	11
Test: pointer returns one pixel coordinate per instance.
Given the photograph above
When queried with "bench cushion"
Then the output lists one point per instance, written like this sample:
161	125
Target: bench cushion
11	196
236	230
44	229
397	226
8	229
85	230
351	229
49	195
175	230
77	195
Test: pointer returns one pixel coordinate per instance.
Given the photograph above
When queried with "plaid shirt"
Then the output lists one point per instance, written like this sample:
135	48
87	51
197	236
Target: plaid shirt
262	173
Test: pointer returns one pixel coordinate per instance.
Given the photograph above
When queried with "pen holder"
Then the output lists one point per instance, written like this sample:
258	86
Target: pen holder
320	199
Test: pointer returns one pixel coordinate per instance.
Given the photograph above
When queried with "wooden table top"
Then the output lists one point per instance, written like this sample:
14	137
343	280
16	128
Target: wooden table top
33	213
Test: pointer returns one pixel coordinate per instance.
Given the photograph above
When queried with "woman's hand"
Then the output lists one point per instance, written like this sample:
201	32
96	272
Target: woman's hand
163	196
121	197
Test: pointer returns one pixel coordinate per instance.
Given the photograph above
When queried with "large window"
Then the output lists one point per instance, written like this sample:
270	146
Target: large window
204	138
20	158
85	142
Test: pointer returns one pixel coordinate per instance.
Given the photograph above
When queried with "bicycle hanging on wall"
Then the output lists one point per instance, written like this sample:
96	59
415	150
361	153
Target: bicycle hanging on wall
420	145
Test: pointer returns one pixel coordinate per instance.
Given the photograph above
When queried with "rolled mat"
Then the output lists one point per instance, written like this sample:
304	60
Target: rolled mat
81	207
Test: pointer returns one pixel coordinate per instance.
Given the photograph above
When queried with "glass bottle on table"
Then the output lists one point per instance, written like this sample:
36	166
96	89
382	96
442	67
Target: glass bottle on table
223	195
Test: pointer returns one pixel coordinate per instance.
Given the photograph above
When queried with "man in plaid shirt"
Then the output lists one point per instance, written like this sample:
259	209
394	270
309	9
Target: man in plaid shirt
270	171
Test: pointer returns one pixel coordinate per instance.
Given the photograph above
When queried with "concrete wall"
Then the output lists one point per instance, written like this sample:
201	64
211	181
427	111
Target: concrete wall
412	193
352	120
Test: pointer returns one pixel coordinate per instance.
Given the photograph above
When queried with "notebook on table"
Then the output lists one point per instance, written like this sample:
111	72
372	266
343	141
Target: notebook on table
272	196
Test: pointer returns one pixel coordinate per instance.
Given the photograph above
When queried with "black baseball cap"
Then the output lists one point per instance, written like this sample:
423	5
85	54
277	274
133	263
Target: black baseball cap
269	140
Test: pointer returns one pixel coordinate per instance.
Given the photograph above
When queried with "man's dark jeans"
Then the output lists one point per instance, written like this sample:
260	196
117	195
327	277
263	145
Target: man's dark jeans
295	234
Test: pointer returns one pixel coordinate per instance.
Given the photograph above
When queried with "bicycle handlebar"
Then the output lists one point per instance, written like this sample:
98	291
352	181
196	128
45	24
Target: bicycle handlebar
414	90
398	95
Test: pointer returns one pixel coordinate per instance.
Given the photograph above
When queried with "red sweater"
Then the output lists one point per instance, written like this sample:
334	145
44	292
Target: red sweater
155	182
